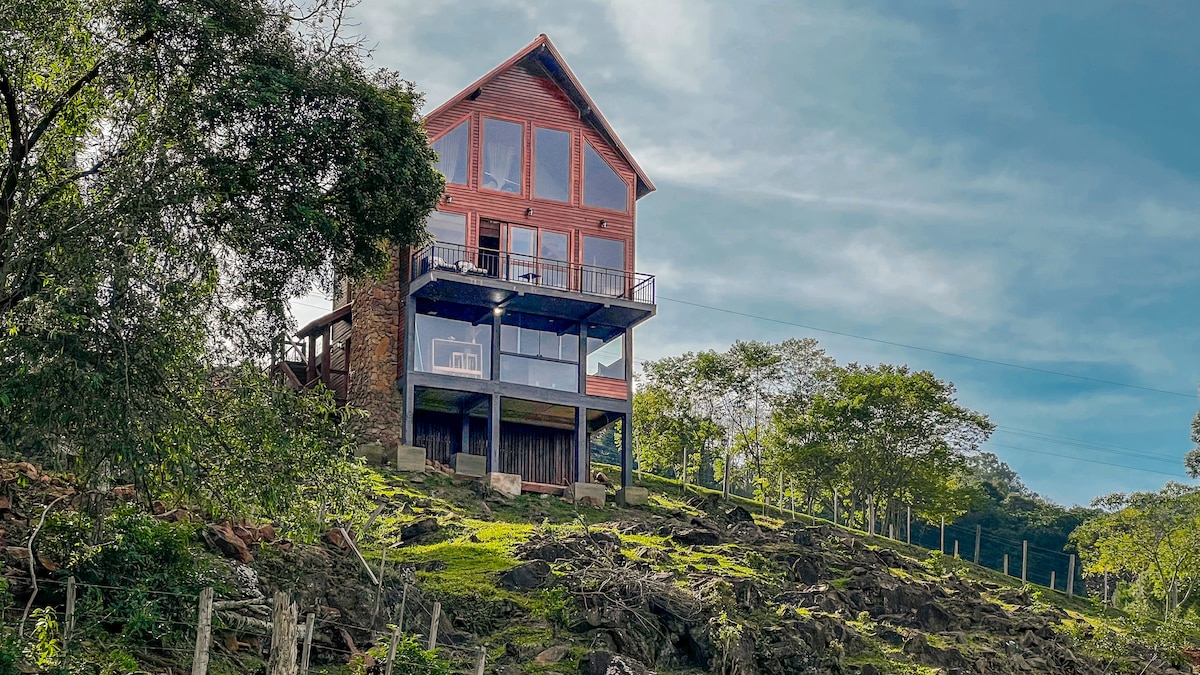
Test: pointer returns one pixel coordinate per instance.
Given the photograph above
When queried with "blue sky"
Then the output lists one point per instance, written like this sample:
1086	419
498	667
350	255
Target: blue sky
1013	181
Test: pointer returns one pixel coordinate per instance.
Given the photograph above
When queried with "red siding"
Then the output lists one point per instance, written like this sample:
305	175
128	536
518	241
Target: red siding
520	95
607	387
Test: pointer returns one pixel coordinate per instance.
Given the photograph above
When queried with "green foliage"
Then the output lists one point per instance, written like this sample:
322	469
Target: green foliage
1154	536
886	433
940	564
171	173
46	649
141	562
411	658
556	605
1132	645
726	633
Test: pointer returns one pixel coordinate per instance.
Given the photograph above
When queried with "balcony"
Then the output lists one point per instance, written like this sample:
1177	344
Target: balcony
488	278
529	270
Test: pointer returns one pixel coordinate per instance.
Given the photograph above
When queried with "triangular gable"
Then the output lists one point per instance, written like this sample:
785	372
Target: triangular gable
556	68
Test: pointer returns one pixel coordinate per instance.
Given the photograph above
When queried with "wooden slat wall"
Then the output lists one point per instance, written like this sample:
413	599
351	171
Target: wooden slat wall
519	95
538	454
607	387
439	433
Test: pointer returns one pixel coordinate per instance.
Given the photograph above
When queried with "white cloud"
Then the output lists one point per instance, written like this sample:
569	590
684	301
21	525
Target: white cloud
670	39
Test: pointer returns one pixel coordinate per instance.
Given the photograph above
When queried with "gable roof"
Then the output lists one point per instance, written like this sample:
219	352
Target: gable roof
543	52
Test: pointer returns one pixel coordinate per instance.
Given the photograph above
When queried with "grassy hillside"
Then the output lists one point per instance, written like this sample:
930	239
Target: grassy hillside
682	585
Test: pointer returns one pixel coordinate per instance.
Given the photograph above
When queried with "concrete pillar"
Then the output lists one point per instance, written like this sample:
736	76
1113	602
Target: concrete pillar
582	450
627	449
493	456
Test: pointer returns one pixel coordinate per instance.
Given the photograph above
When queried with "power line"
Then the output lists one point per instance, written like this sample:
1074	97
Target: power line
1083	459
976	359
1137	454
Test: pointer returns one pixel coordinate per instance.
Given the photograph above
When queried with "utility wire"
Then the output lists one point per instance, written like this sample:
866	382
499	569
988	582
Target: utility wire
1082	459
1087	446
966	357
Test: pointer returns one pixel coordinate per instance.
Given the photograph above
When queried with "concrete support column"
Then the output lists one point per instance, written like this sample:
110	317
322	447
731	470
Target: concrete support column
627	449
408	436
582	450
583	329
466	431
493	455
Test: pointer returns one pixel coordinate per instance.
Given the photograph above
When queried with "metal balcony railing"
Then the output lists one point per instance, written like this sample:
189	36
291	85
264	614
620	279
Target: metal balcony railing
515	267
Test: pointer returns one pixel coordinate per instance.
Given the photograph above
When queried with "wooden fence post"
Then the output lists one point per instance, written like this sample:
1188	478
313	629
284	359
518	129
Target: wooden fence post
942	548
69	620
309	626
391	654
1106	588
481	660
908	525
1006	564
403	607
891	531
1052	573
978	537
282	660
203	633
835	507
781	494
1024	561
1071	576
725	478
433	625
955	548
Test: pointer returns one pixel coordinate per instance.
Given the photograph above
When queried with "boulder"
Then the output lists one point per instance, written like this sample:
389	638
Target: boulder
552	655
606	663
223	539
739	515
419	529
528	576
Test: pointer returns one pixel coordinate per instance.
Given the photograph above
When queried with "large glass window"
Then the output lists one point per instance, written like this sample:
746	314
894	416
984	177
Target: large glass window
452	149
556	270
606	359
539	352
503	155
448	228
604	266
449	346
602	187
552	165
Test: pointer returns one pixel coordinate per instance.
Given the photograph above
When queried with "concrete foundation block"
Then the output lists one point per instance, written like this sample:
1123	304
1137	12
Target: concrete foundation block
469	466
507	484
410	458
587	493
633	496
372	452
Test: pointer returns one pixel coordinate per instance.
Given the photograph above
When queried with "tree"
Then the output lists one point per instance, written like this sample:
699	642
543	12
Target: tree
171	171
896	436
1154	536
1191	462
666	433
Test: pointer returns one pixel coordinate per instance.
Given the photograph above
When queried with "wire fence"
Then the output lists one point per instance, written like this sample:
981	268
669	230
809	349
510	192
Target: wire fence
269	620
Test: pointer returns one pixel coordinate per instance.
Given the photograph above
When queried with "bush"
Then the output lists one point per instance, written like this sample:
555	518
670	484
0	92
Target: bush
411	658
142	577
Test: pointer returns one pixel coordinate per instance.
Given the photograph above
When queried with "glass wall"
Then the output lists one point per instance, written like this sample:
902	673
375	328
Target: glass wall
503	155
539	352
606	359
602	187
452	150
449	346
604	271
552	164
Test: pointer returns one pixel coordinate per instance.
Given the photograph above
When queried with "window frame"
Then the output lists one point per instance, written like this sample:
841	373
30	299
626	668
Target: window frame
583	180
469	120
624	242
571	164
525	155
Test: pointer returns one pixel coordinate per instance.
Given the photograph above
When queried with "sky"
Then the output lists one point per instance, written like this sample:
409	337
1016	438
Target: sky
1015	182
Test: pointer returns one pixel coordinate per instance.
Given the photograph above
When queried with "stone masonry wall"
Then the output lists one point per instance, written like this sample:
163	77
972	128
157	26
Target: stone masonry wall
376	352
